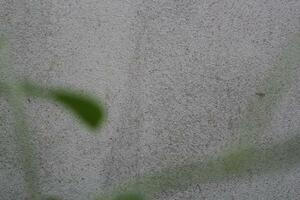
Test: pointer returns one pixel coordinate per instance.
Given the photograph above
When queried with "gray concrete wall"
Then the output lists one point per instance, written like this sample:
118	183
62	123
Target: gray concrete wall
175	76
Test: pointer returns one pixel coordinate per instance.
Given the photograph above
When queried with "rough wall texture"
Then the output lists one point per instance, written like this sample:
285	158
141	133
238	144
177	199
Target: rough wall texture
174	74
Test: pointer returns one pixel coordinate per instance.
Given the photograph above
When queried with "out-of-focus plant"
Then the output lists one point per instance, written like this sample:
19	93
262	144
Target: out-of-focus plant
89	110
244	156
240	159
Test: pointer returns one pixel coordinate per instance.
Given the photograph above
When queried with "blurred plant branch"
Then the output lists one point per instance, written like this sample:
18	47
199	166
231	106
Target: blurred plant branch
89	110
240	159
244	156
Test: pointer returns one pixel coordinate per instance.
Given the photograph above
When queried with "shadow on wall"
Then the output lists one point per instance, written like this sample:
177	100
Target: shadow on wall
239	159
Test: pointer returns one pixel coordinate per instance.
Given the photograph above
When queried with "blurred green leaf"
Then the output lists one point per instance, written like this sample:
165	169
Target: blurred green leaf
129	196
239	163
244	157
2	42
270	91
87	109
51	197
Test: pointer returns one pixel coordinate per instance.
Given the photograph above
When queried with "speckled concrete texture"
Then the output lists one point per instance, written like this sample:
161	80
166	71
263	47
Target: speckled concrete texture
175	76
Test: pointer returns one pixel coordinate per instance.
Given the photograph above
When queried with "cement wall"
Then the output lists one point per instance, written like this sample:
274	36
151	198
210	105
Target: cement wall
175	76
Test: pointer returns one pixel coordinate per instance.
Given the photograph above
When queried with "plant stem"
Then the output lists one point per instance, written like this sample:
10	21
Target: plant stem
23	137
16	99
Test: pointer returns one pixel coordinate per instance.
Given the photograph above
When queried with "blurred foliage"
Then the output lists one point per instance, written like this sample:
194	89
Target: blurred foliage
240	159
129	196
50	197
90	111
270	91
238	163
244	156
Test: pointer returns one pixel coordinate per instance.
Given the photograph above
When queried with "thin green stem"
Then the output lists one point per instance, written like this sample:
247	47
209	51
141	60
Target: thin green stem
24	142
16	98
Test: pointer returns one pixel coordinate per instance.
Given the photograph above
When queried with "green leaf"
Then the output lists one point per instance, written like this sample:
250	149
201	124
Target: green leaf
90	111
86	108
